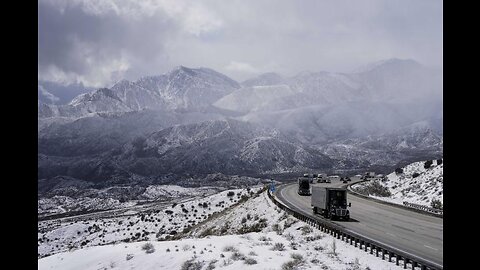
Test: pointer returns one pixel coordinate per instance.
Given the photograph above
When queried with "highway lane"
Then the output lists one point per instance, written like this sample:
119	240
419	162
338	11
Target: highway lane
411	232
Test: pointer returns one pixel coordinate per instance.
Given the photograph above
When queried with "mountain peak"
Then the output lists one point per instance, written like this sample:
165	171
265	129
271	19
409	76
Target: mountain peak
388	63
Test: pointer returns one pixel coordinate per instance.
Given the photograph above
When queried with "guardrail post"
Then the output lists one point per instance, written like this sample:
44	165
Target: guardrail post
397	258
383	254
389	257
376	252
365	246
423	267
371	249
405	261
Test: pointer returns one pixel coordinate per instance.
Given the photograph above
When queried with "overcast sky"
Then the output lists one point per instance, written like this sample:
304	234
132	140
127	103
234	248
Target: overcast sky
98	42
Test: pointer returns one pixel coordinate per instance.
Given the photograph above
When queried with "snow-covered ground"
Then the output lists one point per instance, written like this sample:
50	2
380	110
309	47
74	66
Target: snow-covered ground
107	199
424	188
166	221
252	234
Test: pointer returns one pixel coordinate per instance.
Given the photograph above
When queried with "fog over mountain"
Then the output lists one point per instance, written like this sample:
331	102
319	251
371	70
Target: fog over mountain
198	121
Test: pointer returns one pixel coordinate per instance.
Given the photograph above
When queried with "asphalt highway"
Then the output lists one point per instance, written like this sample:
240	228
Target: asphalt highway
409	231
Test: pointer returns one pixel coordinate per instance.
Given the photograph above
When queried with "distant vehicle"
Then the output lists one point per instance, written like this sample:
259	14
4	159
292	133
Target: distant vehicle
348	178
305	175
330	202
369	175
321	177
334	177
304	186
358	175
345	181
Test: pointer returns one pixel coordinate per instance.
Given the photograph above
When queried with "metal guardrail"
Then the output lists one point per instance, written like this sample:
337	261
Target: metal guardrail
360	241
423	208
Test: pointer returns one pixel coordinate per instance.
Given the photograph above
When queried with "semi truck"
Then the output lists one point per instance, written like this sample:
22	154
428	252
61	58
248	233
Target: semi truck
303	186
321	177
330	202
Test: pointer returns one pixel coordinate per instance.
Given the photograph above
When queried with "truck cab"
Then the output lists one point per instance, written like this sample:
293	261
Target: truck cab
304	186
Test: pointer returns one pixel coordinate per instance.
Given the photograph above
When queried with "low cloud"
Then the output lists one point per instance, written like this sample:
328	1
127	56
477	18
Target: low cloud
97	42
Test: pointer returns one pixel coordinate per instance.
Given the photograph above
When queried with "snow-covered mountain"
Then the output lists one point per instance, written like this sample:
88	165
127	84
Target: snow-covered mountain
182	88
226	146
270	78
200	121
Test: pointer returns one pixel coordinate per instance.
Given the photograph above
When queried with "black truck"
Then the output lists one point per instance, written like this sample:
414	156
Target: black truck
330	202
304	186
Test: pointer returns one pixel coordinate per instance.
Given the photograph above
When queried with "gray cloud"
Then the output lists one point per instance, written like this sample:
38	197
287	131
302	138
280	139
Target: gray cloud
99	42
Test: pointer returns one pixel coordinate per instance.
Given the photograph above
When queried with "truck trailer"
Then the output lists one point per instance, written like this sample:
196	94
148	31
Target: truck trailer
304	186
330	202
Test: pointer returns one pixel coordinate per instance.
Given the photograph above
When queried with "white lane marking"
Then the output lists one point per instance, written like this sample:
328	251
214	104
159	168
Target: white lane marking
391	234
430	247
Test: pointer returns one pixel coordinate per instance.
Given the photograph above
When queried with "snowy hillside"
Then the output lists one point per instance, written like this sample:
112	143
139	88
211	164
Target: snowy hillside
181	88
252	234
416	184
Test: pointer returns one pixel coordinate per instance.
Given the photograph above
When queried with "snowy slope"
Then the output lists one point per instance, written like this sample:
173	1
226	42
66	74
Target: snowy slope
421	190
281	241
167	219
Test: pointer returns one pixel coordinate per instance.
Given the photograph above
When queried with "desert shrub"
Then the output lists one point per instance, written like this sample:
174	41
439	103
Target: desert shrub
374	188
211	264
236	255
277	228
230	249
297	256
129	257
289	222
306	230
439	161
252	253
244	220
437	204
289	237
278	247
256	227
148	247
192	265
230	194
293	264
428	164
250	261
414	175
263	238
398	170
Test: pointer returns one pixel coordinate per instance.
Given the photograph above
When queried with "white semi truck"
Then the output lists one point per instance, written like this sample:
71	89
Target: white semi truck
330	202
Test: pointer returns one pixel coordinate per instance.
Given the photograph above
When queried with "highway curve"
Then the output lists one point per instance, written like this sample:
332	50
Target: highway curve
409	231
